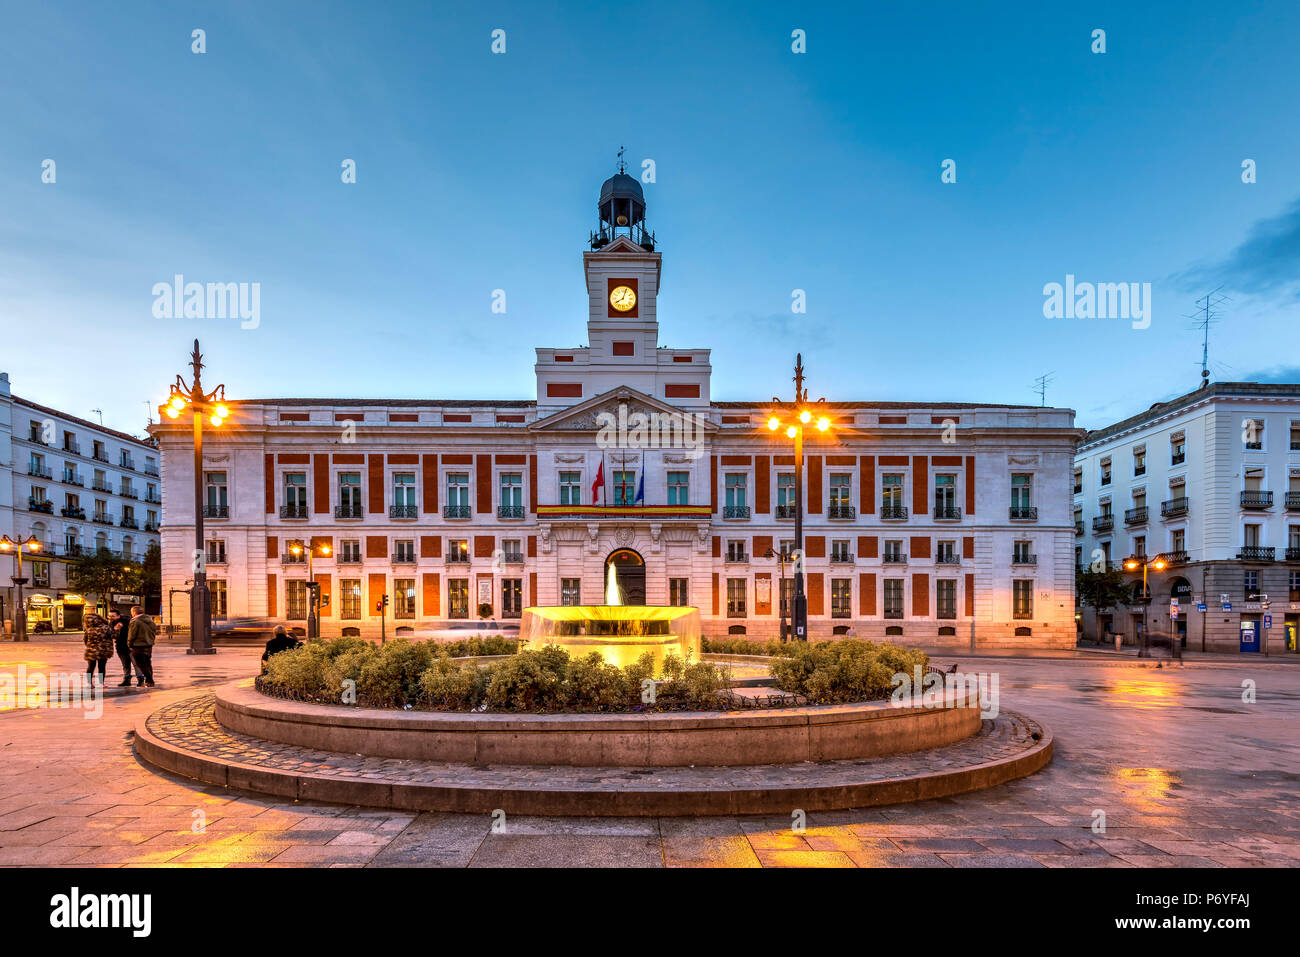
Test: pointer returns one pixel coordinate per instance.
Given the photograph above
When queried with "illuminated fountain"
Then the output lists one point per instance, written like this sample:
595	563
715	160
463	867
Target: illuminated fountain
621	633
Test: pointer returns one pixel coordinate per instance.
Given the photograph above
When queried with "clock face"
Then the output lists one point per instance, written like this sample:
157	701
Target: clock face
622	298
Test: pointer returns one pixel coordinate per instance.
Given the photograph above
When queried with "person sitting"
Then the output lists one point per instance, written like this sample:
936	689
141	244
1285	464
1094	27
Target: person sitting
280	641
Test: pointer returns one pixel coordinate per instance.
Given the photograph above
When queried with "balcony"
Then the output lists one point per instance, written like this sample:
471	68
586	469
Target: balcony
289	558
1136	516
1256	499
73	447
151	526
41	505
294	511
127	463
1178	557
1178	458
1024	558
894	558
127	491
893	513
99	486
129	523
1173	508
39	471
841	512
1292	501
216	558
735	511
841	559
737	557
216	511
349	558
1078	528
73	511
948	558
513	558
73	551
1256	553
785	511
103	518
947	513
404	558
458	558
1139	470
34	436
100	456
455	511
1103	523
1293	553
403	511
151	470
349	511
72	478
1024	513
152	499
510	511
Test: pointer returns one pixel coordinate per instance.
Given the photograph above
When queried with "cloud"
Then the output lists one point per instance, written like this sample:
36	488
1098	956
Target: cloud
1287	374
1268	261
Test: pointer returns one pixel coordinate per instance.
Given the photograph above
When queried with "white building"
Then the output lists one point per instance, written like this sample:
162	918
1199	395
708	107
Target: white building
1211	481
76	487
931	522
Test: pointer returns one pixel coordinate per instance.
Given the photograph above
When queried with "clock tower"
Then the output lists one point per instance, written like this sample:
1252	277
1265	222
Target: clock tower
623	270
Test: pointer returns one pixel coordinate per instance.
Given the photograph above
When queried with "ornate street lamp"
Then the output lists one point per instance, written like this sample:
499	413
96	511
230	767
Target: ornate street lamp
212	405
801	413
33	545
1132	563
313	589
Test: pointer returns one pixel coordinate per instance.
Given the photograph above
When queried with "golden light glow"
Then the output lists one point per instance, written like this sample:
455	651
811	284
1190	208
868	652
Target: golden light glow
172	413
805	416
223	411
1130	564
823	424
1158	564
773	423
295	548
215	419
324	549
791	432
619	633
177	402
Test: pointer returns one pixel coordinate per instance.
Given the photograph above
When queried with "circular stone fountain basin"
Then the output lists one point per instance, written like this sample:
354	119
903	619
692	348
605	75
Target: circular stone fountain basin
621	634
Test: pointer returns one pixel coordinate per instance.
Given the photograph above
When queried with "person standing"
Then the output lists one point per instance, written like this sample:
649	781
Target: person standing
99	647
140	636
117	626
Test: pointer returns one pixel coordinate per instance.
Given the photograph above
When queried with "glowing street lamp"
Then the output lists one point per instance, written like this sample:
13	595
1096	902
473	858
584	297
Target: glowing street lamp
33	545
803	414
209	405
313	589
1132	564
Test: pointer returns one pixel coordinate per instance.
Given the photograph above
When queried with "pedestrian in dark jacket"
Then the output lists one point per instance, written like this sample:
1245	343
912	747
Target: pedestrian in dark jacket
117	627
280	641
140	636
99	646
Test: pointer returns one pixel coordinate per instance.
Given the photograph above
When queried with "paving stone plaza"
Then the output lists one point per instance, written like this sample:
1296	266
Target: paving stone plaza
1184	770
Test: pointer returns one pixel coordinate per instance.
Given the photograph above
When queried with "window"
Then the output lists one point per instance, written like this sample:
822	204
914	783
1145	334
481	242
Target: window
457	597
787	596
946	553
570	591
1293	586
841	493
945	598
736	490
1140	545
218	503
1022	489
216	551
570	488
350	590
512	597
1251	583
784	495
893	598
1252	434
458	550
350	550
893	551
678	592
1022	598
458	491
1105	471
945	496
41	574
1140	461
350	495
404	550
1177	449
1078	481
891	493
735	598
404	598
510	551
840	551
99	452
1250	536
1178	540
679	488
217	595
512	495
1295	435
736	551
624	487
1020	554
295	599
128	548
841	598
404	496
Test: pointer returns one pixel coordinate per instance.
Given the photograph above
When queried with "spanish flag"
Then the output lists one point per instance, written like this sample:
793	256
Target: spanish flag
599	483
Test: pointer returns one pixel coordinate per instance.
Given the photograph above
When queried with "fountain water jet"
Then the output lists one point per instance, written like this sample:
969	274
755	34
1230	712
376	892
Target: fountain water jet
620	633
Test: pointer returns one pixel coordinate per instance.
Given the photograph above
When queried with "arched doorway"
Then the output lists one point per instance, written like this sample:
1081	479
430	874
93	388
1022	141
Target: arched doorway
629	573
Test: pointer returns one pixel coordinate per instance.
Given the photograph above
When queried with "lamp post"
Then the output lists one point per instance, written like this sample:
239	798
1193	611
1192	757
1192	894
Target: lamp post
772	553
211	404
313	590
802	413
1131	564
33	545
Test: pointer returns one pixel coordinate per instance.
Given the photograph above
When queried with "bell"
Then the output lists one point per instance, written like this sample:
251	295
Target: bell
622	220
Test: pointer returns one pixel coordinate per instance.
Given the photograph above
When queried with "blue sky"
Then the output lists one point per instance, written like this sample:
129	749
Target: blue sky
775	171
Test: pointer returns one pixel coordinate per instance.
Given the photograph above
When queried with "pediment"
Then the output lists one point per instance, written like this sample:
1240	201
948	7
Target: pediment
589	416
621	244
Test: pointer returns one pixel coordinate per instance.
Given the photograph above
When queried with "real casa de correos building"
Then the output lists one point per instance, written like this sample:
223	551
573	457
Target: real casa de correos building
937	522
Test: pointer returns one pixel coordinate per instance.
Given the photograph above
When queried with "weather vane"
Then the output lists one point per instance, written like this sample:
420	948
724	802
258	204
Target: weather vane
621	165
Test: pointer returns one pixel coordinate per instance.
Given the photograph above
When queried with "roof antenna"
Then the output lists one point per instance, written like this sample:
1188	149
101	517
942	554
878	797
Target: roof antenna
101	416
149	415
1040	386
1207	314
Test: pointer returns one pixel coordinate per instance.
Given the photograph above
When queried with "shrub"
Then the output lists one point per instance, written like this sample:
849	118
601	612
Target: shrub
847	670
447	685
390	675
744	646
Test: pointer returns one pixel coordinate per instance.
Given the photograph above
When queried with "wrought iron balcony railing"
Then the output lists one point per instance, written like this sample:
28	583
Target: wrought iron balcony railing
151	526
404	558
129	523
785	511
947	512
298	510
99	486
737	557
841	559
1293	553
72	478
948	558
127	491
73	511
841	512
41	505
103	518
216	511
1103	523
735	511
455	511
1136	516
1023	558
403	511
1256	499
513	558
893	513
100	456
1078	528
1256	553
894	558
348	511
510	511
1024	513
1292	501
39	471
289	558
1178	557
1173	507
458	558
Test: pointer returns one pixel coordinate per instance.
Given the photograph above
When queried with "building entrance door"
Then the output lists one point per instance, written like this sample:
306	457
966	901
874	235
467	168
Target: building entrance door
1249	634
1292	627
629	575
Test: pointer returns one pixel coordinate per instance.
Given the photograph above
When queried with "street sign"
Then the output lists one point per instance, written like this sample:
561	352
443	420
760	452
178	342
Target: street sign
1200	606
1268	621
1227	606
1225	599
